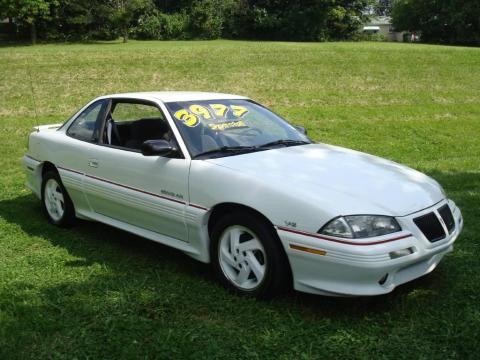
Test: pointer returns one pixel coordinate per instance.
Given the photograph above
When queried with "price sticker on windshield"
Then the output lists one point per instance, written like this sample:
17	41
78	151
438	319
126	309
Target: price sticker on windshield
200	111
192	115
238	110
219	110
227	125
187	118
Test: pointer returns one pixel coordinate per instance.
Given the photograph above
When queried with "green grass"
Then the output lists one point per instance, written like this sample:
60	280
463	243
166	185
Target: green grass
96	292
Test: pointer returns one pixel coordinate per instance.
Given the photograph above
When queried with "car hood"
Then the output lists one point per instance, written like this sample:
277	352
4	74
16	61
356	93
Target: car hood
349	181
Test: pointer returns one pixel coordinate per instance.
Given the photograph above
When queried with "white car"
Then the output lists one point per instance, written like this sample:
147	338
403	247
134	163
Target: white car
229	182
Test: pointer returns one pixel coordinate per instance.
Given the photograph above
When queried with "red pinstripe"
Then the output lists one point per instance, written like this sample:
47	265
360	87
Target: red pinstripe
328	238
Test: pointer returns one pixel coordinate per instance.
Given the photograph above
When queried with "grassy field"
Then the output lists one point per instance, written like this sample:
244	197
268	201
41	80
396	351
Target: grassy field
96	292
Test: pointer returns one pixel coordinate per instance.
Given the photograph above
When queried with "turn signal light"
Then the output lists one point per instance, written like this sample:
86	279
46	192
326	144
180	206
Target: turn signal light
309	250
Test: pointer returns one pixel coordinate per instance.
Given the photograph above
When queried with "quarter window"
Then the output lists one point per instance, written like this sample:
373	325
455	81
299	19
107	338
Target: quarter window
83	127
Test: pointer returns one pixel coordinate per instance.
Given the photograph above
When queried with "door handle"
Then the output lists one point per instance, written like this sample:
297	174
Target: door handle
93	163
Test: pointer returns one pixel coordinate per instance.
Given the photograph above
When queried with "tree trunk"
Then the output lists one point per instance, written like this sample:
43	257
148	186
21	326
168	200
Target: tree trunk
125	35
33	33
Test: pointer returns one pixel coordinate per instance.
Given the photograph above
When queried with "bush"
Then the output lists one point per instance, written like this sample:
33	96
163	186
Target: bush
370	37
209	17
205	22
148	27
441	21
176	26
160	26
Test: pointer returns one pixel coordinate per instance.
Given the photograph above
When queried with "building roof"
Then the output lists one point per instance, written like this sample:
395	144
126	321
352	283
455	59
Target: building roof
379	20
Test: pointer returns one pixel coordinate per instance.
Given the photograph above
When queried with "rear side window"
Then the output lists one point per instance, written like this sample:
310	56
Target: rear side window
83	127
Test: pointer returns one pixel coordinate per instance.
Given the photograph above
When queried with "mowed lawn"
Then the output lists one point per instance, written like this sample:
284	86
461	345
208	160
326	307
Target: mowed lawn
97	292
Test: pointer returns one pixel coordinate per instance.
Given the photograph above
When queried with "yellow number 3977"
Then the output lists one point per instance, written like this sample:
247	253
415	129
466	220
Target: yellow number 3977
189	119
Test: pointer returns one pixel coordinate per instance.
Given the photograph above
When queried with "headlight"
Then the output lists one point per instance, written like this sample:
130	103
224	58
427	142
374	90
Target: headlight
360	226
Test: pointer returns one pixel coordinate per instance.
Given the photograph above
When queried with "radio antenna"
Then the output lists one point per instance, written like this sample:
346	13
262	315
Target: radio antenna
33	95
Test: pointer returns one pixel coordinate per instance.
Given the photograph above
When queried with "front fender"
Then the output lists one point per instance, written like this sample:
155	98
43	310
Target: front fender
211	184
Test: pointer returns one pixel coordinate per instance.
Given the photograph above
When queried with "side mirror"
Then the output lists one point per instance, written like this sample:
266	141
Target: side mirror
157	147
301	129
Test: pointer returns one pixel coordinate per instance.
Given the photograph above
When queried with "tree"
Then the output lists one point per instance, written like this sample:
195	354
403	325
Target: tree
124	12
304	20
208	18
301	20
76	20
28	12
440	21
383	7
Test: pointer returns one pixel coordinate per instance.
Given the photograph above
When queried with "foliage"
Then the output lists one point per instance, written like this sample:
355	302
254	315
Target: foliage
383	7
28	12
94	292
440	21
445	21
123	13
309	20
80	20
161	26
207	18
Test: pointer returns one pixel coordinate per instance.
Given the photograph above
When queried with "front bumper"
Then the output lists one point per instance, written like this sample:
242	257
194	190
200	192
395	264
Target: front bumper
327	267
33	172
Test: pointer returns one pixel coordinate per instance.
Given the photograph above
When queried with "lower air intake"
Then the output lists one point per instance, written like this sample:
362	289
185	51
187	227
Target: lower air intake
430	227
447	217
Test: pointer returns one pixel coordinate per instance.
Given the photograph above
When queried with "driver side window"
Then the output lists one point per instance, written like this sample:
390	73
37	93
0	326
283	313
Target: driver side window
124	111
131	123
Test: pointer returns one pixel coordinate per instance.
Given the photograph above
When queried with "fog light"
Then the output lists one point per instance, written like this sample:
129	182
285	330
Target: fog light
399	253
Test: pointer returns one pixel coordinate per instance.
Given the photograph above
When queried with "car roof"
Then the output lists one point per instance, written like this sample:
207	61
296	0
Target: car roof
172	96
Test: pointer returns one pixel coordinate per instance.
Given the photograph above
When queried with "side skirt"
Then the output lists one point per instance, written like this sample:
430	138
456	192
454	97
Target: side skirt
150	235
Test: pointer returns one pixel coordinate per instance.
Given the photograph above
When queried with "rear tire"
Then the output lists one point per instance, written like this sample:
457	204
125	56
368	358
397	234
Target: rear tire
247	256
56	203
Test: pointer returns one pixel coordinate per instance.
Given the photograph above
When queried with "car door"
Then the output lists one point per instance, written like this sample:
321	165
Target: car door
73	148
121	184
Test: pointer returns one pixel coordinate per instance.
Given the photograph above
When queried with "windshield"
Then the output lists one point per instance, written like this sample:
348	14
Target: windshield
216	126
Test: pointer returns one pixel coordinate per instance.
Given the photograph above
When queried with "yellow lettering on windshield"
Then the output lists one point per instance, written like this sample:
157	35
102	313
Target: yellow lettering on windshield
238	110
219	109
190	120
227	125
200	110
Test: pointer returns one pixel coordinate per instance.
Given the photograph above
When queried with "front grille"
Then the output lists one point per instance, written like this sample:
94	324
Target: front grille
447	217
430	227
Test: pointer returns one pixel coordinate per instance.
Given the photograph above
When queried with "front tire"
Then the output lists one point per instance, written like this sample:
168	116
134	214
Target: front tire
57	205
247	256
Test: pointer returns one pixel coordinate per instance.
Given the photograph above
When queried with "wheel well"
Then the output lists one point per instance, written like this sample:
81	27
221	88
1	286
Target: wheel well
222	209
48	166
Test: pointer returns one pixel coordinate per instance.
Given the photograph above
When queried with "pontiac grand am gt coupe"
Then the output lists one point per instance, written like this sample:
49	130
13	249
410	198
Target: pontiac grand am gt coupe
227	181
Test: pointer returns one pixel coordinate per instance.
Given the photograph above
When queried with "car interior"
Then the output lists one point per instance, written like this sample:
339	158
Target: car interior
129	124
128	130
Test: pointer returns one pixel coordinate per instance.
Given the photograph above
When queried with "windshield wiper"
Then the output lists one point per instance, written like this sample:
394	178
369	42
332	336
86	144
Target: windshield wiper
227	150
286	142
